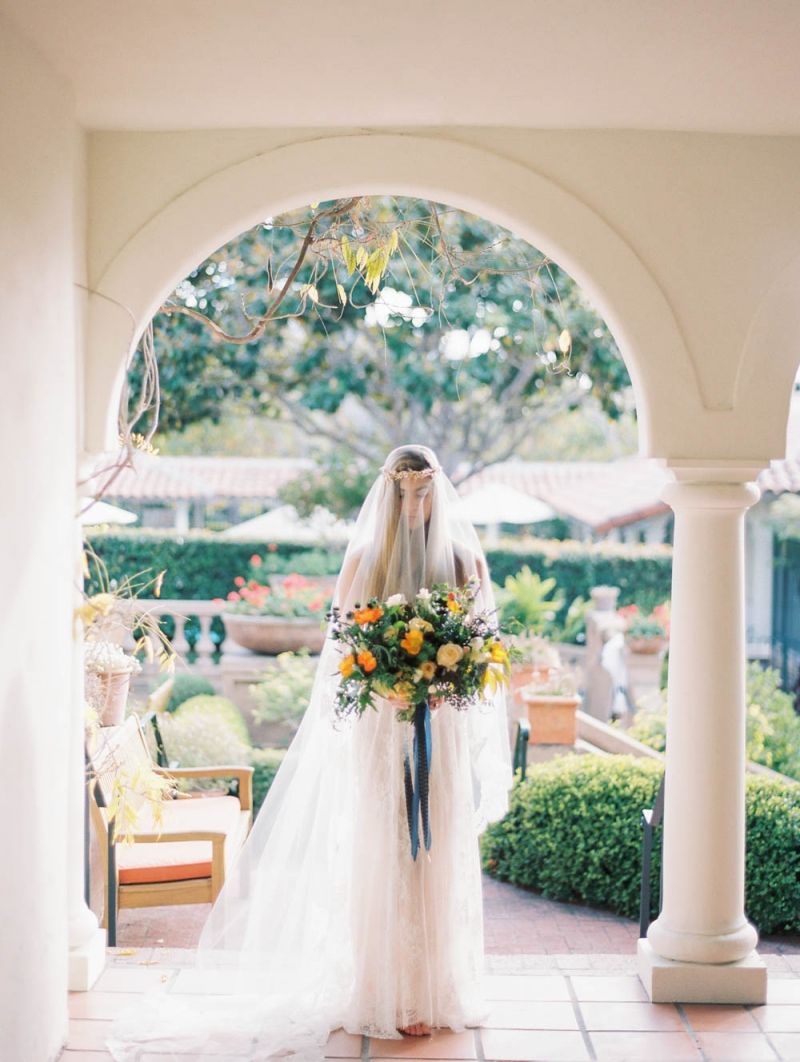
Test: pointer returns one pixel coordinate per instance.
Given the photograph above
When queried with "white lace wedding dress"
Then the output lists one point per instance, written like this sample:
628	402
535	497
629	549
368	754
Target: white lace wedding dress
417	925
326	921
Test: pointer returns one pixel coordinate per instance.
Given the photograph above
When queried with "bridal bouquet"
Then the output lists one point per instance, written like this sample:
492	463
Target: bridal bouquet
435	646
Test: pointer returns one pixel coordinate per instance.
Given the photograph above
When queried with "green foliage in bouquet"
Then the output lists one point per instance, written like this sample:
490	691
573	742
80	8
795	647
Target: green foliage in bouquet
436	646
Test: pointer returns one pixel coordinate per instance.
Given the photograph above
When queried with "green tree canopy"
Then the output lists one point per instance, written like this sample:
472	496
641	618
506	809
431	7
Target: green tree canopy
399	321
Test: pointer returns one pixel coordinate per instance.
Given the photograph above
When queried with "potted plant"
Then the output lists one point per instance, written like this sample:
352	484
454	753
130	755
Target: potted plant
551	706
276	616
108	670
646	633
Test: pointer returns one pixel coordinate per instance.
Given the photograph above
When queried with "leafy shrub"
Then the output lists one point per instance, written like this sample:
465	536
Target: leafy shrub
185	686
283	693
205	731
200	566
642	572
265	764
773	726
573	833
527	602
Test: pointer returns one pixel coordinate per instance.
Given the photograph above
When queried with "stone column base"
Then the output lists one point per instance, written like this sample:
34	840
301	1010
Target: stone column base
87	962
667	981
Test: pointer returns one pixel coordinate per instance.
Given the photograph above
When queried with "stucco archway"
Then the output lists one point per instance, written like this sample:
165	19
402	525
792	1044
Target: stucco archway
206	215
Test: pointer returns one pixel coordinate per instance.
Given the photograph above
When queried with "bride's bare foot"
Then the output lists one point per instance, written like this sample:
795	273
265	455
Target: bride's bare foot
418	1029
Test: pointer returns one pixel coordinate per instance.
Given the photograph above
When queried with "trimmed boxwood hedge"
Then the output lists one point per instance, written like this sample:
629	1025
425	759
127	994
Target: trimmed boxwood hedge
201	566
573	833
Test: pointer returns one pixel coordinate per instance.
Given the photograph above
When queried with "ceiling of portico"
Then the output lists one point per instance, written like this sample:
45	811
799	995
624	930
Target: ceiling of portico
697	65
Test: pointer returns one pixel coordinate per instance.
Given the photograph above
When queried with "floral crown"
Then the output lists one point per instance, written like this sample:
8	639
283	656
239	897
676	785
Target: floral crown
410	473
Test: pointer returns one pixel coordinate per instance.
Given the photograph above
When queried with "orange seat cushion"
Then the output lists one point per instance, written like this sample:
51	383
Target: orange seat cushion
177	860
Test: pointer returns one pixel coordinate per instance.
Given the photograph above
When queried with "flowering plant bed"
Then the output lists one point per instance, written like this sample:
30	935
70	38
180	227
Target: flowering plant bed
645	632
433	647
294	597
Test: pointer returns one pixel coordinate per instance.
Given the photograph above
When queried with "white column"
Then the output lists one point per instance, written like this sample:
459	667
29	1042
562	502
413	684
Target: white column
87	941
701	947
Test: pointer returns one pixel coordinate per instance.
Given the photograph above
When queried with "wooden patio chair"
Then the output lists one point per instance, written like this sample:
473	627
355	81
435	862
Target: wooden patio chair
184	858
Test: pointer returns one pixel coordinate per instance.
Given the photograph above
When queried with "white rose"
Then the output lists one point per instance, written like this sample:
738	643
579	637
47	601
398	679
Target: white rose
395	599
423	594
449	656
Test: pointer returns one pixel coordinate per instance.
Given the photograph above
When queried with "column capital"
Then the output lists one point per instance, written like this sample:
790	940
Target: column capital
708	470
735	497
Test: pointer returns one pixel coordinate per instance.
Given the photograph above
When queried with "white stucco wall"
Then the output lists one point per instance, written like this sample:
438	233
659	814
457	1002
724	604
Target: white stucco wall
689	243
37	487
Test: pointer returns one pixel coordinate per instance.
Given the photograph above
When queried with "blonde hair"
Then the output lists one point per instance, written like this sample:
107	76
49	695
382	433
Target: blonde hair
407	459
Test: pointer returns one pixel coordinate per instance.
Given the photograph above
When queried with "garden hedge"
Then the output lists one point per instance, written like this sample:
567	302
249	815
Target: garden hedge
201	566
573	833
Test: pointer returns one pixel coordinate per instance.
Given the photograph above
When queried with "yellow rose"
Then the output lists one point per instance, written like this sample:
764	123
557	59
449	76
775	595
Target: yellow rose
449	656
428	670
418	624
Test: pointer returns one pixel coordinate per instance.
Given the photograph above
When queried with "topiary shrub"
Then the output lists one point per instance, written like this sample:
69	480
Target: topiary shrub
186	686
265	764
205	731
573	833
772	860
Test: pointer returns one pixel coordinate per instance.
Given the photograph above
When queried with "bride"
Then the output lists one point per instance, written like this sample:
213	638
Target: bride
327	921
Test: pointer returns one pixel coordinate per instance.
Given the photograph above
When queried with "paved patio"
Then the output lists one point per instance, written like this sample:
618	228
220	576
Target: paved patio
550	1008
516	922
561	981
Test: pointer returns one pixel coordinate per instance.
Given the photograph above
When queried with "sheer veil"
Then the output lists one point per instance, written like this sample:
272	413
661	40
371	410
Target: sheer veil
275	964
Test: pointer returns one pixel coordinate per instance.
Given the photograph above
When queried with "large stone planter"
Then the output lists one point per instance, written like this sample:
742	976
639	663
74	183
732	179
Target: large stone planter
551	717
271	635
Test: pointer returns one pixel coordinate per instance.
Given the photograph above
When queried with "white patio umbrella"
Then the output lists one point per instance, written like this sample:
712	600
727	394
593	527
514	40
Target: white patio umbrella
285	525
100	512
495	503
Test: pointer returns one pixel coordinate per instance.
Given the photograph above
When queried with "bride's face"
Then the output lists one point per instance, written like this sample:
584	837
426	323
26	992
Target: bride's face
417	500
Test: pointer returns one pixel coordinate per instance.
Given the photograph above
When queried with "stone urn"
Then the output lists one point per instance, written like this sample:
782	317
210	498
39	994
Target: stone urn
551	716
270	635
110	696
647	645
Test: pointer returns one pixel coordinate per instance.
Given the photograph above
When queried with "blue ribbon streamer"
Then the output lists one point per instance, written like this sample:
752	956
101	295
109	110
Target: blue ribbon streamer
417	783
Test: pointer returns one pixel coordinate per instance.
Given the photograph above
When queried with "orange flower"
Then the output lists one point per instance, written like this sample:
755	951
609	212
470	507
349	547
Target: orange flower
412	643
363	616
366	661
347	665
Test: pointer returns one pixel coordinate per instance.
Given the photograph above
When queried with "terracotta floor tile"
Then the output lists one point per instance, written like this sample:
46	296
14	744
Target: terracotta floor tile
500	1045
778	1018
609	989
783	990
515	1014
787	1045
444	1044
511	986
710	1017
342	1044
100	1004
634	1017
88	1035
736	1047
641	1046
